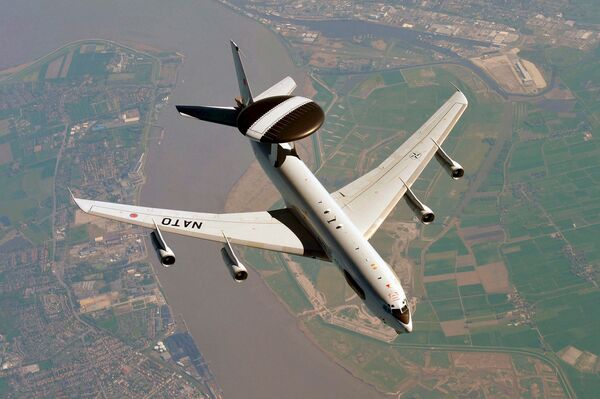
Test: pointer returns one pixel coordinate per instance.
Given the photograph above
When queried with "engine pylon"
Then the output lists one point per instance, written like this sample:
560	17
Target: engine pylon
166	254
237	270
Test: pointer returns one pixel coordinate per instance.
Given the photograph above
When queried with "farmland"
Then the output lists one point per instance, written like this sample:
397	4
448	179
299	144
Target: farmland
511	263
499	268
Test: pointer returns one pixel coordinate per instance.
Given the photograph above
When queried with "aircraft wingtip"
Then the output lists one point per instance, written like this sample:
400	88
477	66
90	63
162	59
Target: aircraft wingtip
456	87
181	110
464	98
460	94
84	205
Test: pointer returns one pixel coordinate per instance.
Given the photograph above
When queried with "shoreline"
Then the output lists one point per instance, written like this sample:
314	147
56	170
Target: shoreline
199	289
13	70
301	321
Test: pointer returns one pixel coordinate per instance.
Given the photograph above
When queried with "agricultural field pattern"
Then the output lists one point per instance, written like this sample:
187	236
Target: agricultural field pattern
505	281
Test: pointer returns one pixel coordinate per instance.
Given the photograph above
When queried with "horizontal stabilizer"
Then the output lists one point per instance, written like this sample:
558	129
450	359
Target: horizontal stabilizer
221	115
283	88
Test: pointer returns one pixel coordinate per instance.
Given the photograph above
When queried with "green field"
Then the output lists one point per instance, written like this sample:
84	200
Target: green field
330	282
532	180
450	242
286	288
390	113
4	387
442	289
7	326
392	77
369	359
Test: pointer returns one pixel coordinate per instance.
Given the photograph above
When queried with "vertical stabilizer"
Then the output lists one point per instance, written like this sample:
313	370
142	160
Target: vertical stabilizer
241	75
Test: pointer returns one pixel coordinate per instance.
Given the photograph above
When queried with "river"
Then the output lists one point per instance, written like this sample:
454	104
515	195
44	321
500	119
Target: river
253	345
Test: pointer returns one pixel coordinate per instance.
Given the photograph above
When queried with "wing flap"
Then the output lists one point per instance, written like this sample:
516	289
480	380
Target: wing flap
277	230
369	199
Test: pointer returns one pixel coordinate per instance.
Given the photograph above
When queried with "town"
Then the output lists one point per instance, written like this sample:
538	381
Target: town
78	297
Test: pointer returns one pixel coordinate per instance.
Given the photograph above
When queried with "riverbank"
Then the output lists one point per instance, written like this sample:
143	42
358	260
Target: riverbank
253	345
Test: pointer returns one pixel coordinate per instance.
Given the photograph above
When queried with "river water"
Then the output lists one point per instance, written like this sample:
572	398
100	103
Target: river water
253	345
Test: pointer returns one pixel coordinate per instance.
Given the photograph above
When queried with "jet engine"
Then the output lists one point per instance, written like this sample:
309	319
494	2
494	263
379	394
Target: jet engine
166	254
422	211
451	166
236	268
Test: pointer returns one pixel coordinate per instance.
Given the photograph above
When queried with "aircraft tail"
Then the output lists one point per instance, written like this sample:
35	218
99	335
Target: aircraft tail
228	115
223	115
245	93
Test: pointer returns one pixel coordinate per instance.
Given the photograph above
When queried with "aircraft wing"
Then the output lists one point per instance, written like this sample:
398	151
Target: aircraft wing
277	230
370	199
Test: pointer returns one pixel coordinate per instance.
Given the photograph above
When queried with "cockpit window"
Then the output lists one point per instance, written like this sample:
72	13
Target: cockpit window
402	314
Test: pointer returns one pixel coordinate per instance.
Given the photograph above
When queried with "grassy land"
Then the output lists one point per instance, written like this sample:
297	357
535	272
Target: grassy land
7	326
4	387
287	289
535	172
370	360
396	105
329	282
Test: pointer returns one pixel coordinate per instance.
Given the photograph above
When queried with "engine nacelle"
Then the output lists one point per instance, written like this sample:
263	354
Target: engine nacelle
166	254
237	270
422	211
453	168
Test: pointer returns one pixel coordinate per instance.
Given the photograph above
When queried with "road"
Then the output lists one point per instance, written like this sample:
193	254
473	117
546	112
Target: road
474	187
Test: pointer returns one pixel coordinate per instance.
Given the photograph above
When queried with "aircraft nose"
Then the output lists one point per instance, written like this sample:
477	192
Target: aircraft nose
409	326
403	317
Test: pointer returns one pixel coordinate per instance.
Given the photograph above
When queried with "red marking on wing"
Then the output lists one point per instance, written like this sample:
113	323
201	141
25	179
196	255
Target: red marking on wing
133	215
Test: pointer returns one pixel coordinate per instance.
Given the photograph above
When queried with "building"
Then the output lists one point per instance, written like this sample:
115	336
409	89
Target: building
131	116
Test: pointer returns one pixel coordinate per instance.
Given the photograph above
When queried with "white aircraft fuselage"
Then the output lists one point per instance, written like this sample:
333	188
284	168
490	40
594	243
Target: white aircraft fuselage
367	273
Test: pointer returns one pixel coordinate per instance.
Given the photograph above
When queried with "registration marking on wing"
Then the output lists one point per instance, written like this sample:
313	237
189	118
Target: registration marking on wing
181	223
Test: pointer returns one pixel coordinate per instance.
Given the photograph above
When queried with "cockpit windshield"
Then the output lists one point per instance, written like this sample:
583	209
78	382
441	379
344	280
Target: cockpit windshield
402	314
